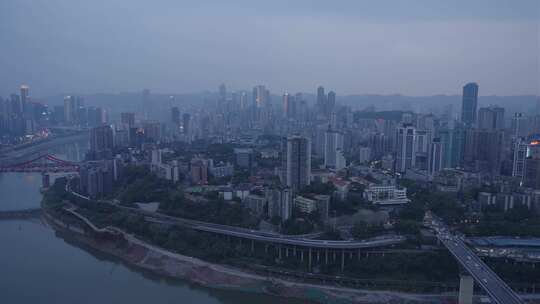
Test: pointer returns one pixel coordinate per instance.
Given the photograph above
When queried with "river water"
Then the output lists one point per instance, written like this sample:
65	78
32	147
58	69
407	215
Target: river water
37	266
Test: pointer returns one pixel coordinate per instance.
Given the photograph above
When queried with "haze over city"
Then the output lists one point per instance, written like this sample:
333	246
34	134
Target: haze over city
240	152
414	48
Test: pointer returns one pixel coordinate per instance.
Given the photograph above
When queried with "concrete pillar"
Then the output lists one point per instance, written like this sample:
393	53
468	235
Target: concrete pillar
309	259
326	259
342	259
466	289
286	252
265	248
318	256
302	256
359	254
279	249
252	246
294	251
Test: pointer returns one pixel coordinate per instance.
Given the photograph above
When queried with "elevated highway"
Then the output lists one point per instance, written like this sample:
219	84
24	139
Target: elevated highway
490	282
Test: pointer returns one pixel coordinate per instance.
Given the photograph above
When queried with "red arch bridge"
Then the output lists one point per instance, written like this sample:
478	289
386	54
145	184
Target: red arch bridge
43	163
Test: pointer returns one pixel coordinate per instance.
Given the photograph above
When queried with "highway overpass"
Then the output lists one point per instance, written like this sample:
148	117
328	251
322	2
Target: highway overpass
490	282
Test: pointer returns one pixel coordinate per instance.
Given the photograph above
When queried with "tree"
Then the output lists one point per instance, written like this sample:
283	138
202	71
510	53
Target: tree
362	230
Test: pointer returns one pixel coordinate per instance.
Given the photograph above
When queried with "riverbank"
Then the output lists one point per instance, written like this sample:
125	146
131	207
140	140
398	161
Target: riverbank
156	260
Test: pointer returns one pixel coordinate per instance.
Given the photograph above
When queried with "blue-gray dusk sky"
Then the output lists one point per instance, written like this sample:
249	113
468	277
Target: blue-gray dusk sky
411	47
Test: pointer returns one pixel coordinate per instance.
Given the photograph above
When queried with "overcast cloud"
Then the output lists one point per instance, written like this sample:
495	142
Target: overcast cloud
420	47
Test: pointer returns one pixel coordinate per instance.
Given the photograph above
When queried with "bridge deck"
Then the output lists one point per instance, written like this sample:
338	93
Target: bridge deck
494	286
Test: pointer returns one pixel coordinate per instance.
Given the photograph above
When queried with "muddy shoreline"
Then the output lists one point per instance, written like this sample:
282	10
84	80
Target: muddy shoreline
157	261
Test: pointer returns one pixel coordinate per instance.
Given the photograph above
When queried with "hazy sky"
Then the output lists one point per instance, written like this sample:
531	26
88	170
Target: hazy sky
412	47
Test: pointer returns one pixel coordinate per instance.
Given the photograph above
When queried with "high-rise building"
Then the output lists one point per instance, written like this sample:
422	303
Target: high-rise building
186	121
70	107
296	162
127	119
435	159
289	105
16	105
97	177
24	97
531	174
330	103
406	148
520	125
470	104
453	141
321	100
199	171
244	158
101	143
483	149
491	118
243	101
222	93
520	154
152	130
260	96
333	144
364	154
94	116
175	116
280	202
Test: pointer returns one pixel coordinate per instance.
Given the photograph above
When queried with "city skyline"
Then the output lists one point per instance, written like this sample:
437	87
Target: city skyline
305	151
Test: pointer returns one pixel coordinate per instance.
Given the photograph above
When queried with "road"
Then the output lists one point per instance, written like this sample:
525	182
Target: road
257	235
269	237
494	286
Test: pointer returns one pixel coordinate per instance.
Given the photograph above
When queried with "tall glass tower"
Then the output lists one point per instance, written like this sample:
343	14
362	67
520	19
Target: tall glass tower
470	104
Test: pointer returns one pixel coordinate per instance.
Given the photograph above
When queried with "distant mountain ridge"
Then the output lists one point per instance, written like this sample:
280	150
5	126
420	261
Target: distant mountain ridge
529	104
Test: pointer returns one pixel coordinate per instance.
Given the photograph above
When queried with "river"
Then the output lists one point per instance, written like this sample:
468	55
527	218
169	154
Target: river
38	266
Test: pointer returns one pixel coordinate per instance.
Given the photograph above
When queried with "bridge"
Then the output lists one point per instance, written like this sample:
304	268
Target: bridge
488	280
42	163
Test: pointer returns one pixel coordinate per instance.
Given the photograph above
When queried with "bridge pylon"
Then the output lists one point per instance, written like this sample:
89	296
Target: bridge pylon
466	289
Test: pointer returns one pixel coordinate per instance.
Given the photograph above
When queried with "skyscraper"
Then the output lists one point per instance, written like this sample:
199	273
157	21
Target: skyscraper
69	109
321	99
531	174
491	118
24	97
519	155
333	145
435	159
406	148
186	120
260	96
453	140
16	105
222	93
175	116
243	101
296	162
330	103
101	143
128	119
520	125
289	105
470	104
